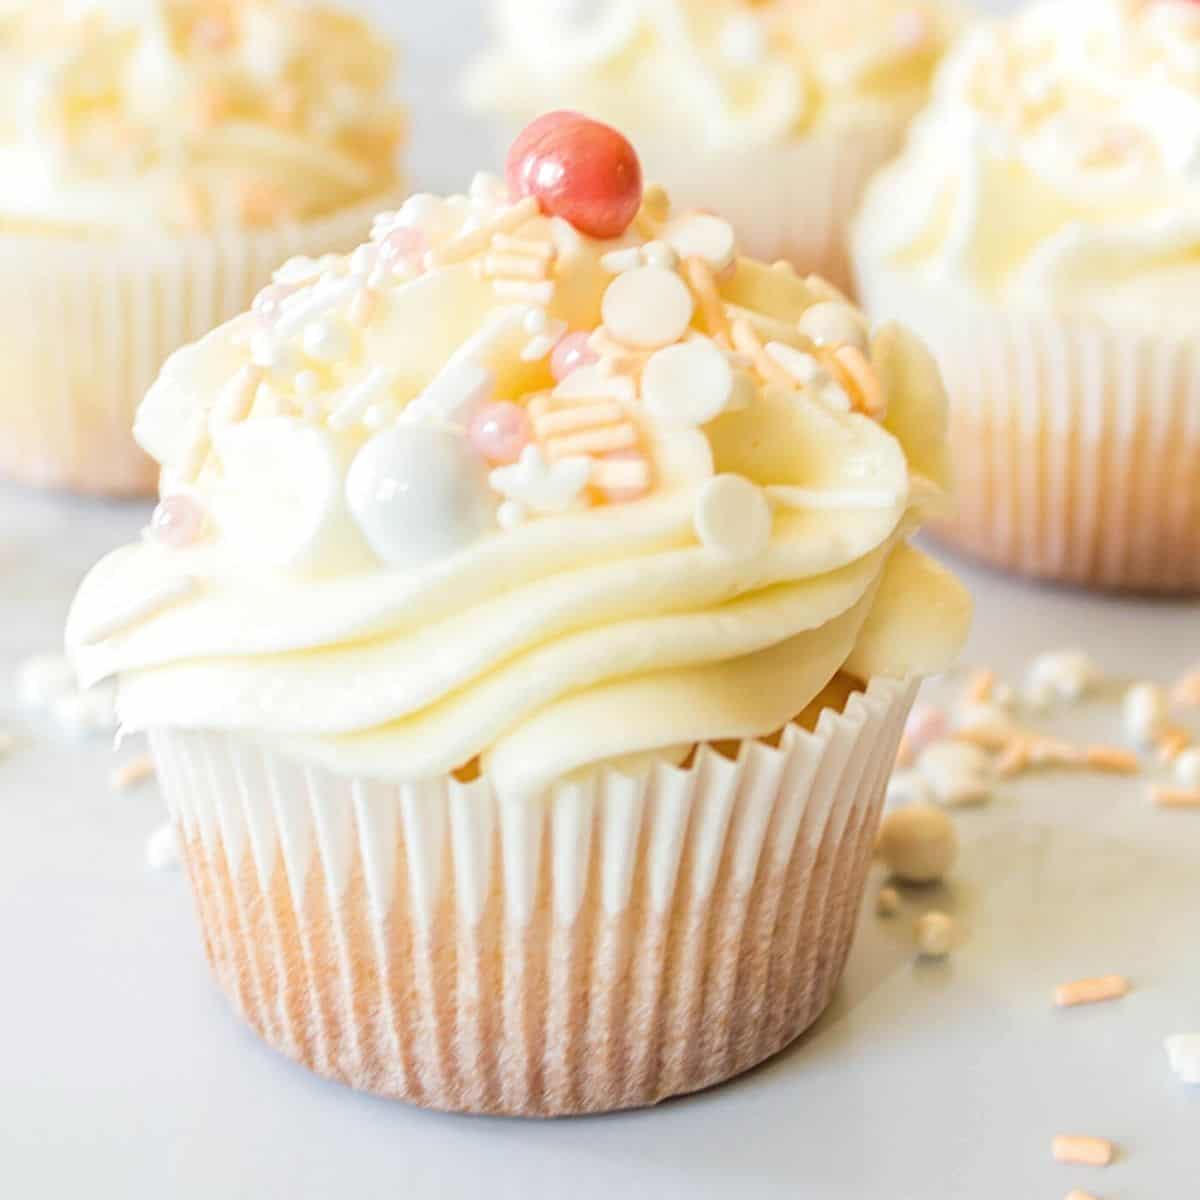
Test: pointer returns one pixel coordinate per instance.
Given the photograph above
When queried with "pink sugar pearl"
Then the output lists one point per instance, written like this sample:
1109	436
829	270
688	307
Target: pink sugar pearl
268	303
571	353
926	724
499	432
178	522
403	245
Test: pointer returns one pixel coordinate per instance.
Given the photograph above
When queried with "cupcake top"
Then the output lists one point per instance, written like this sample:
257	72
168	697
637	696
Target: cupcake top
1058	164
545	474
122	115
724	74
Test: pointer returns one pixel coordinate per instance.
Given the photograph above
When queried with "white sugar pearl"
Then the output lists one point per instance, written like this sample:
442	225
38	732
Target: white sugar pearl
936	933
959	774
832	324
733	517
1061	675
688	385
1145	711
1183	1050
162	848
703	236
42	679
419	493
918	844
1187	768
908	787
648	308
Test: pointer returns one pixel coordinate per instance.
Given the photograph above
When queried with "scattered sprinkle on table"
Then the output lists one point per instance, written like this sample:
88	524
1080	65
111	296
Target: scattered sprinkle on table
1091	991
1175	798
1183	1050
1083	1151
936	933
129	774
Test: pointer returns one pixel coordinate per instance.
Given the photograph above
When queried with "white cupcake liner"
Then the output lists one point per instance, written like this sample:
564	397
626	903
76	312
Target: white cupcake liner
85	325
793	201
614	942
1076	444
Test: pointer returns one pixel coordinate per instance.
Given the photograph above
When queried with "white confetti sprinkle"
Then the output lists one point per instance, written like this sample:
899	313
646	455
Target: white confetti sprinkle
1145	711
733	517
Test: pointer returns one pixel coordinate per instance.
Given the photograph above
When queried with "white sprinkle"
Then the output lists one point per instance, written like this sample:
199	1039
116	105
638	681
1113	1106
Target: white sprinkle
42	679
687	385
733	517
90	712
376	417
307	384
659	254
617	262
959	774
835	397
985	721
831	323
327	340
801	366
544	487
236	398
511	514
162	848
374	387
128	775
457	389
908	787
568	241
364	258
535	321
1061	675
1145	710
522	289
703	236
648	308
169	592
1187	768
1183	1050
538	348
936	933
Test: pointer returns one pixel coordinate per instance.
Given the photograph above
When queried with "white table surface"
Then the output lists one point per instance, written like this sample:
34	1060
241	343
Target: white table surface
123	1074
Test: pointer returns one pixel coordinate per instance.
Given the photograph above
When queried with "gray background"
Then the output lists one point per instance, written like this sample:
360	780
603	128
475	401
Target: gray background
124	1075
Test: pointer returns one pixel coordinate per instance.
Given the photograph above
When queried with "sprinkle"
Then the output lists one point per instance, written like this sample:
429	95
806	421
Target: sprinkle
732	518
467	245
936	933
128	775
1171	742
887	903
1175	798
1112	759
647	308
373	388
196	448
1014	760
856	375
541	485
545	251
1145	710
747	341
583	416
1061	675
1083	1151
1187	690
688	385
1091	991
513	266
1187	768
1076	1194
980	686
703	283
960	775
617	262
622	475
520	289
162	848
908	787
1183	1050
236	398
151	603
587	385
592	442
362	308
799	365
702	236
918	843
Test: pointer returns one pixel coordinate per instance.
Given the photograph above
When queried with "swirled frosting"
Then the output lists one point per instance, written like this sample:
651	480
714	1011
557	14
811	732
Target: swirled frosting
721	74
123	115
1058	164
490	489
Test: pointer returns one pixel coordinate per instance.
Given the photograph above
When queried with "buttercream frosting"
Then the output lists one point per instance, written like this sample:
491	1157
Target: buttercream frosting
721	74
490	489
123	115
1058	164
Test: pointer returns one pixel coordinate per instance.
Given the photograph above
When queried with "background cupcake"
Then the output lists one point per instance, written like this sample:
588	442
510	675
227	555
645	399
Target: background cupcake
525	637
773	114
160	160
1042	231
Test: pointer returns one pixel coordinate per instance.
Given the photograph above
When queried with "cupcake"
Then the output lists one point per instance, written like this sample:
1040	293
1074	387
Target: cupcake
772	114
1040	232
524	638
160	160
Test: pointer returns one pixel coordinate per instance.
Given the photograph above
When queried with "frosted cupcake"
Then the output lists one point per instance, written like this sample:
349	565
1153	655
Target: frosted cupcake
160	159
1041	232
773	114
524	639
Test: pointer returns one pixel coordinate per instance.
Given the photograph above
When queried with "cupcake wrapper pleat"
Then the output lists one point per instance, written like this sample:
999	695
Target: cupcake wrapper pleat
86	324
618	941
1076	445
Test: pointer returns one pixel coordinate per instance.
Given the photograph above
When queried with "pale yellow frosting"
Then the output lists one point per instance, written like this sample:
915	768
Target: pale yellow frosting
1058	165
128	115
728	535
719	74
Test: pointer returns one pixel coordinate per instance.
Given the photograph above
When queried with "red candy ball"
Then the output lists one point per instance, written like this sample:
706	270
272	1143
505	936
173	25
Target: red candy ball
580	170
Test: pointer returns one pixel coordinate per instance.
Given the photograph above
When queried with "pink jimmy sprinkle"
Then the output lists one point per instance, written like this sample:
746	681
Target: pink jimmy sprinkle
178	521
572	352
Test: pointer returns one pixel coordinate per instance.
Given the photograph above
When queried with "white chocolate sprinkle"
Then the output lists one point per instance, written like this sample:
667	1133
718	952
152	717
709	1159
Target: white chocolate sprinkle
648	308
703	236
327	340
959	774
1061	675
540	485
733	517
831	323
370	390
687	385
1146	712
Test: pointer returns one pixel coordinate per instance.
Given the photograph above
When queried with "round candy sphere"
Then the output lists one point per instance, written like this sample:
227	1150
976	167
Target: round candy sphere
580	170
419	493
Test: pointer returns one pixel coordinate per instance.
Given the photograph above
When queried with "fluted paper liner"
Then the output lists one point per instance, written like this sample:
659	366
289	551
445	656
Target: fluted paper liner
1076	444
85	325
616	942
